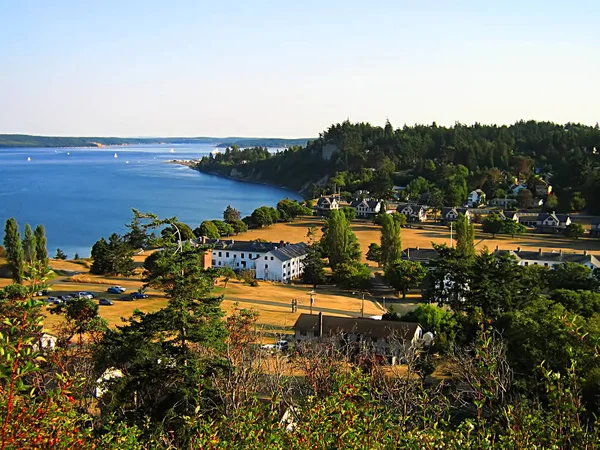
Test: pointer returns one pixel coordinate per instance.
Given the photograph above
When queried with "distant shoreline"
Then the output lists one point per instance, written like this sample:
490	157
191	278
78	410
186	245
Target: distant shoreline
192	165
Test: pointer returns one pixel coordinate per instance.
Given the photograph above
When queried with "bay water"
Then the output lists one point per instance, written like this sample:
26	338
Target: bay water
82	194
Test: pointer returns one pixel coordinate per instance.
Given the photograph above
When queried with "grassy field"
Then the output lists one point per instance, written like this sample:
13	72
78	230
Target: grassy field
413	237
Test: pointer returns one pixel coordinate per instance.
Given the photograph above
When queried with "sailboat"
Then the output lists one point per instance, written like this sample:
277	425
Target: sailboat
29	158
172	150
115	156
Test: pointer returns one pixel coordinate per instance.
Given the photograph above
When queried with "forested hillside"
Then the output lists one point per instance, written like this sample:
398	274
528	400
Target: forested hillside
450	160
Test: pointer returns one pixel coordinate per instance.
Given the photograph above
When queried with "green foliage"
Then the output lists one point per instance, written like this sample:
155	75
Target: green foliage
313	267
352	275
41	251
209	229
374	253
551	203
404	275
114	257
60	254
231	214
492	224
439	321
465	236
349	212
224	229
174	229
339	243
238	226
391	242
525	198
264	216
571	276
29	245
513	228
14	250
288	210
136	237
574	230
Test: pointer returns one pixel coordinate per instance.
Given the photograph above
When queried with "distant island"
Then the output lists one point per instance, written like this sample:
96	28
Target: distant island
24	140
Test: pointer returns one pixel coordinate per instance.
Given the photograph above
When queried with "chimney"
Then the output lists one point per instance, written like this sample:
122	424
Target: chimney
320	323
585	252
518	249
496	248
540	251
281	244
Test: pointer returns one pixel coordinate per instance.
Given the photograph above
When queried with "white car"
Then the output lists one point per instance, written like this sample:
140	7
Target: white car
85	295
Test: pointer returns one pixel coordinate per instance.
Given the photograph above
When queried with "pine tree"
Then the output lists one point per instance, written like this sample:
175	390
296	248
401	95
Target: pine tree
465	236
29	245
60	254
41	252
136	237
14	251
391	242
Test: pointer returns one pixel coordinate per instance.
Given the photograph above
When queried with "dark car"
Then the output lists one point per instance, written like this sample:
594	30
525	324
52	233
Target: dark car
138	295
128	298
105	302
65	298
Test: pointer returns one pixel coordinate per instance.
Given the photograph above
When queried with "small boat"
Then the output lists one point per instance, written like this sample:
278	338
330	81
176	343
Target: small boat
172	150
29	158
115	156
68	154
126	162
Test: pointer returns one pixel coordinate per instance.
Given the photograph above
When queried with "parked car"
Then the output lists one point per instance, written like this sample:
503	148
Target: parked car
91	294
85	295
53	300
105	302
46	292
138	295
282	345
115	290
128	298
65	298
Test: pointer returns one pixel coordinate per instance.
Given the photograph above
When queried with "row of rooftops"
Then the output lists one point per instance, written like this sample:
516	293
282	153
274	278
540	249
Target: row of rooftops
282	250
426	254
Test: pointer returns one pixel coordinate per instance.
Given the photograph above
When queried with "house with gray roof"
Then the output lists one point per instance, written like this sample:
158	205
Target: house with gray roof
325	205
552	222
387	339
451	214
413	212
549	259
366	208
273	261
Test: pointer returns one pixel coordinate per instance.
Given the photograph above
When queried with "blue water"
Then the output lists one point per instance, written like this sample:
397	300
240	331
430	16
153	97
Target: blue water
82	194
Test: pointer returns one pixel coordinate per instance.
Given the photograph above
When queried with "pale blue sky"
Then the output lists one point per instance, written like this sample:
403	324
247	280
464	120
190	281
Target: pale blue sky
290	69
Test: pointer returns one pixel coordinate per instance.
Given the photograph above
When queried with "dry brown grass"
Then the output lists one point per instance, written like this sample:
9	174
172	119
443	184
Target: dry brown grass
88	280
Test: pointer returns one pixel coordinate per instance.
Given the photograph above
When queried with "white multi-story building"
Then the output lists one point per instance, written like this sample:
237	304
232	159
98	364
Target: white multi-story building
272	261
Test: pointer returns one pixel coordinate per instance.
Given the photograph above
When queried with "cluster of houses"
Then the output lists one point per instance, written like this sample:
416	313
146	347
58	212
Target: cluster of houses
281	261
545	222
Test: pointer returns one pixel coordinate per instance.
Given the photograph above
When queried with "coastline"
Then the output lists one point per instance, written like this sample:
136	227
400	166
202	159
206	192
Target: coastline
192	165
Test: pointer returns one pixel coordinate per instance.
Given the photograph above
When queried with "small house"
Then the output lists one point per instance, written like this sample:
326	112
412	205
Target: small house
503	202
552	222
451	214
413	213
385	338
516	188
476	198
549	259
325	205
542	188
366	208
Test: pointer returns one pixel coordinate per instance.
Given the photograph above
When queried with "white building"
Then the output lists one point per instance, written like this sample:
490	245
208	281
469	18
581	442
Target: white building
272	261
413	213
475	198
325	205
366	208
549	259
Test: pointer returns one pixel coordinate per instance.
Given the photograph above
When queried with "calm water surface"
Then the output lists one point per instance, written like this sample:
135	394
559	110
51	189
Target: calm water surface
81	194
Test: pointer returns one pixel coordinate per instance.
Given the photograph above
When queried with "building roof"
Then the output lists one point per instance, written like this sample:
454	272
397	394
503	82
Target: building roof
356	325
419	254
290	251
553	256
372	204
243	246
325	201
557	217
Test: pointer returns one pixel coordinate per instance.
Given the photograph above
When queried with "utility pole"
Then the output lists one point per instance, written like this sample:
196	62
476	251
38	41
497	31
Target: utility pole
384	302
451	241
362	307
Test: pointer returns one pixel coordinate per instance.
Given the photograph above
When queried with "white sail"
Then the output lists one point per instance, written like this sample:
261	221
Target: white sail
115	156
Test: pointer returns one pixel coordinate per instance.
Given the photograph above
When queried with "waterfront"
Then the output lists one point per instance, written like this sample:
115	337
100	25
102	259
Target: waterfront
81	194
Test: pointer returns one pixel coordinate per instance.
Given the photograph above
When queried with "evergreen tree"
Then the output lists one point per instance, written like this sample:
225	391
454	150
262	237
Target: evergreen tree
114	257
14	251
465	235
339	243
391	242
136	237
29	245
314	271
374	253
41	252
231	214
60	254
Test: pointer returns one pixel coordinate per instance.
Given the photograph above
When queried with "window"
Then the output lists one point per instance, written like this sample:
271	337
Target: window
545	264
227	255
266	266
219	262
219	254
249	255
242	255
526	263
214	262
266	257
271	258
237	264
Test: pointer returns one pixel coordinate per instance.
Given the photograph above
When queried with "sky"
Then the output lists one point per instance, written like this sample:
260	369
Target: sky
292	68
